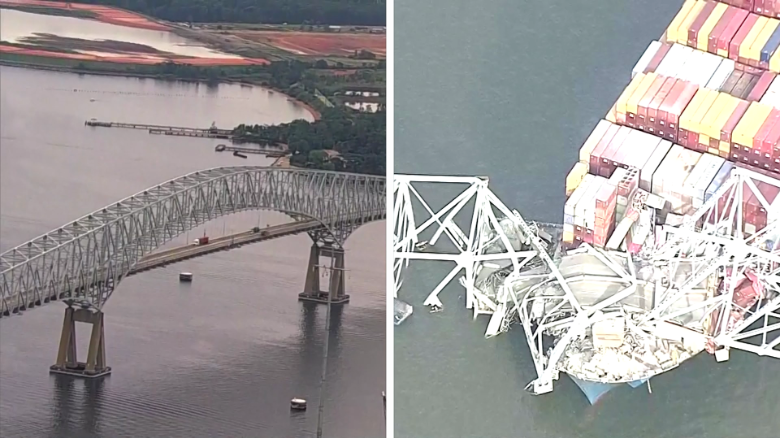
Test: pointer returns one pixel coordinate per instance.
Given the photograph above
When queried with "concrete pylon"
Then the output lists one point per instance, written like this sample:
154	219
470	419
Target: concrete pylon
67	358
315	270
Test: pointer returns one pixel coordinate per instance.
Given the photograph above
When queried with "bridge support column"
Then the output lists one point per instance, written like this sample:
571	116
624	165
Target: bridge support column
67	358
334	270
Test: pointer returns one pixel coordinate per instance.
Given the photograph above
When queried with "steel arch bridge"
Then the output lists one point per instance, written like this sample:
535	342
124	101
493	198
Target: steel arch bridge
83	261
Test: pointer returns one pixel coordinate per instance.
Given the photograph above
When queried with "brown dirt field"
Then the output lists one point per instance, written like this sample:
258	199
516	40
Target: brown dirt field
129	59
319	44
104	13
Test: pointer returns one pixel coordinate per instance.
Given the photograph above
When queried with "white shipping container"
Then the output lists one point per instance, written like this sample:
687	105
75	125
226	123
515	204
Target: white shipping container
568	208
646	174
720	76
709	65
771	99
674	184
645	59
593	140
691	69
581	210
714	163
675	58
663	170
700	178
590	203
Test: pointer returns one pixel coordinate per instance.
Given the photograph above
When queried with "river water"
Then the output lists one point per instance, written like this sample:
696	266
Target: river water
510	90
17	25
220	357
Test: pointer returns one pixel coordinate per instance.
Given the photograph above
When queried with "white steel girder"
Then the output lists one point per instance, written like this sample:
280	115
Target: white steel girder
542	299
84	260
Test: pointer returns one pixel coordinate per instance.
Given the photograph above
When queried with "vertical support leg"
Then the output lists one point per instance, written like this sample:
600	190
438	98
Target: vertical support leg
312	286
335	270
337	277
67	360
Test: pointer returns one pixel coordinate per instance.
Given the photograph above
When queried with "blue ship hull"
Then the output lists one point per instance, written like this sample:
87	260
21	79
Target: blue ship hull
595	390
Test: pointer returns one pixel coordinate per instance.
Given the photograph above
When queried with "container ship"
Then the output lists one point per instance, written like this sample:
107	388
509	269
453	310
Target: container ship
669	244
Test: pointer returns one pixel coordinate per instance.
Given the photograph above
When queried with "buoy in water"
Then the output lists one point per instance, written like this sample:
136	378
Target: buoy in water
298	404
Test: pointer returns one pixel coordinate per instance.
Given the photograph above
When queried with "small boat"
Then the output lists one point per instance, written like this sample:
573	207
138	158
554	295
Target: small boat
298	404
185	277
238	154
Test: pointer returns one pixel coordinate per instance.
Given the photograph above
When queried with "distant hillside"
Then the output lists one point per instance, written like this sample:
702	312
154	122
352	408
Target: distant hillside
335	12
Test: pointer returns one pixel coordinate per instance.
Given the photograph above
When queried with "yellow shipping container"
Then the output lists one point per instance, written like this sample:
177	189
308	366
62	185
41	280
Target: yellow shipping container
709	121
611	115
774	62
731	104
568	237
749	125
761	39
575	176
633	102
682	31
747	43
692	108
705	106
709	25
620	104
671	31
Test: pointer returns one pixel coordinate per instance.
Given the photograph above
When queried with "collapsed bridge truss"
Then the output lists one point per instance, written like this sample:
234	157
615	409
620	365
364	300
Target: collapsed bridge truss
512	270
83	261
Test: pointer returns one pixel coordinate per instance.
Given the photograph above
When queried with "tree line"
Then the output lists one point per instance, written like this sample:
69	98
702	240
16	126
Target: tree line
359	140
333	12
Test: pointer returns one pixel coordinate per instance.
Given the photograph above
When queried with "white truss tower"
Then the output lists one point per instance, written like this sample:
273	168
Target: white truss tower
480	236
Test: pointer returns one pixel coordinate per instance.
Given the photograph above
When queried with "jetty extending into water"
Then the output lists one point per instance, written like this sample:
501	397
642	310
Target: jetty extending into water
211	132
272	152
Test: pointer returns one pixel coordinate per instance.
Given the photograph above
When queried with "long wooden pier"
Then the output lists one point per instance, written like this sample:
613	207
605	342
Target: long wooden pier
212	132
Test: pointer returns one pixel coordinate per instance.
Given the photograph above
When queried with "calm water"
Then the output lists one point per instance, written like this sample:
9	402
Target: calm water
16	25
510	90
220	357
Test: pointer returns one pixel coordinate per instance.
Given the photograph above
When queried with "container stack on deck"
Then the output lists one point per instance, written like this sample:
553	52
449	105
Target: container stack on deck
702	100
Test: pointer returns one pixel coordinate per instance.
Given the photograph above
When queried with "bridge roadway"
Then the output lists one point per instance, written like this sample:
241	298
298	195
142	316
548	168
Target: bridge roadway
173	255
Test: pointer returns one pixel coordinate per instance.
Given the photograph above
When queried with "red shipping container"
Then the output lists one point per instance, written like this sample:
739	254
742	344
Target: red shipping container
758	7
761	146
731	123
724	40
758	91
748	69
628	183
717	31
693	30
771	145
607	165
739	37
655	104
673	116
644	102
667	104
595	155
659	56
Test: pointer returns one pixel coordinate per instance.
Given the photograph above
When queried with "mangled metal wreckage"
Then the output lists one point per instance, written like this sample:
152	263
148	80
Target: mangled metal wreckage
604	317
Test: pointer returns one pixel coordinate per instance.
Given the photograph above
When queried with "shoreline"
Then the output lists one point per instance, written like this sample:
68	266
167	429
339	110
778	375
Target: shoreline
124	17
33	66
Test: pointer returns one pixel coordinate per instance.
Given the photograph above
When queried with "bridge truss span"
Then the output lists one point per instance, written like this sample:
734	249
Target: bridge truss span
84	260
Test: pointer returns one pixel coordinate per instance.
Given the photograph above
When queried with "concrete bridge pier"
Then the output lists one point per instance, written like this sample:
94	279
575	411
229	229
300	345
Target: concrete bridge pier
67	358
335	272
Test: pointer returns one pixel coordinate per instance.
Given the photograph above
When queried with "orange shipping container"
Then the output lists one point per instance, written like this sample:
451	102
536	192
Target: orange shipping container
685	25
620	105
633	102
687	116
705	127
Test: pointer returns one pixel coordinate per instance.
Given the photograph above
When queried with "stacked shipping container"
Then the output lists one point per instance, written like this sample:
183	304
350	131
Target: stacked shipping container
728	31
700	102
767	8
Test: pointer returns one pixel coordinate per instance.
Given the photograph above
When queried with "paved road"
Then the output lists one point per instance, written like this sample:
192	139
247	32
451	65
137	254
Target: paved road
178	254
